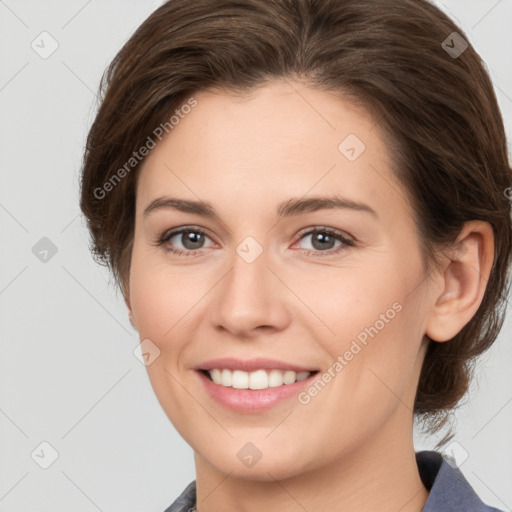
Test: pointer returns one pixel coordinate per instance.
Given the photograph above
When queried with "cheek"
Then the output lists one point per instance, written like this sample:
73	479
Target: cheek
355	298
373	317
160	301
159	298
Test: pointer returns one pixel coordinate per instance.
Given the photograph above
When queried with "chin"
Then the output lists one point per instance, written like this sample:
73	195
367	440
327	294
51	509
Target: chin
251	461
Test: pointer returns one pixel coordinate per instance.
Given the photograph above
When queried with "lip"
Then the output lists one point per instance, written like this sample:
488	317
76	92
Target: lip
250	365
252	400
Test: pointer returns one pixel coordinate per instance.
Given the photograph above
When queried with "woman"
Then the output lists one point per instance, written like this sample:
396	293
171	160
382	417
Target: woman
234	139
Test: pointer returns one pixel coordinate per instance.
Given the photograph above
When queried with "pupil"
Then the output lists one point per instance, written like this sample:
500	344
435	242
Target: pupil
194	239
322	237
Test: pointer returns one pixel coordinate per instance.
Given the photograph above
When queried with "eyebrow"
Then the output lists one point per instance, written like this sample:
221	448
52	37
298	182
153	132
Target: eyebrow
293	206
297	206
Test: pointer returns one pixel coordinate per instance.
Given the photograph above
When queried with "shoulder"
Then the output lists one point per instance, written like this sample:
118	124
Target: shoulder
449	489
185	502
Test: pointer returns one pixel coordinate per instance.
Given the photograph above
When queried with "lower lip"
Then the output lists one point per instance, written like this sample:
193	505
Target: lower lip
252	400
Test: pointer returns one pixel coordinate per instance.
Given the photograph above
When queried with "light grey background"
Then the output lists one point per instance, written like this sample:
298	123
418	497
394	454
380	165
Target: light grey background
68	375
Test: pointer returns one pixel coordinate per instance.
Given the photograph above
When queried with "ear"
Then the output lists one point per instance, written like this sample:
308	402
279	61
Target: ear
467	270
126	297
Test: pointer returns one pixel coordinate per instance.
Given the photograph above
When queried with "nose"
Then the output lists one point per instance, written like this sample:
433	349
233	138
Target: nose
250	298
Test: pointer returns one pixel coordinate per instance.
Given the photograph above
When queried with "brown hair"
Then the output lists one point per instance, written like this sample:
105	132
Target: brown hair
437	110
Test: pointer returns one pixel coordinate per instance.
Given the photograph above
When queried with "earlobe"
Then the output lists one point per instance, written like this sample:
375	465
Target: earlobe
130	314
464	281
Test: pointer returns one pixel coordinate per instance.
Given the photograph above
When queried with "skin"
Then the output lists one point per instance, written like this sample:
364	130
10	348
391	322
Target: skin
351	447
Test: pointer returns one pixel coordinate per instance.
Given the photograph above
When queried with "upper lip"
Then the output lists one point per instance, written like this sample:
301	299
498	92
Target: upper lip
249	365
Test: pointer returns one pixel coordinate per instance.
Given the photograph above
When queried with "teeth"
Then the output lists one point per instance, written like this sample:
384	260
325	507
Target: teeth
275	378
240	380
216	376
259	379
226	378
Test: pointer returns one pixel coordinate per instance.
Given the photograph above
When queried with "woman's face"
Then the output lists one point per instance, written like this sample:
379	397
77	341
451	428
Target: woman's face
252	281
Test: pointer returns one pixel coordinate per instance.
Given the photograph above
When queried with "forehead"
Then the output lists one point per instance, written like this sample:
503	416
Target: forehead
283	139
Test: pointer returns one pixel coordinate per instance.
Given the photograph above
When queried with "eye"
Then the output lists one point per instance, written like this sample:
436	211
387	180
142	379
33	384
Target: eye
192	238
323	240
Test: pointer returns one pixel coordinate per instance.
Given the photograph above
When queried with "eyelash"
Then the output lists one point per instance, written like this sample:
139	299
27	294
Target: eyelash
338	235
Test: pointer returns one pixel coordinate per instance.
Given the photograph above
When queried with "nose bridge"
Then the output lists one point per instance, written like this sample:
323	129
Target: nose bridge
247	296
248	279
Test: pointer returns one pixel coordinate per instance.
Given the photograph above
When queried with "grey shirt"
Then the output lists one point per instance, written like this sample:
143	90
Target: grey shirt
449	489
